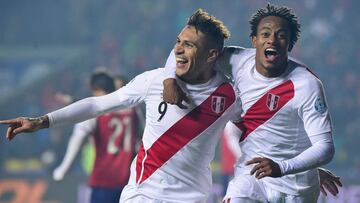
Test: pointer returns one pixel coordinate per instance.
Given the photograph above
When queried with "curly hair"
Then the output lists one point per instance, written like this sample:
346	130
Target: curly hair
279	11
210	26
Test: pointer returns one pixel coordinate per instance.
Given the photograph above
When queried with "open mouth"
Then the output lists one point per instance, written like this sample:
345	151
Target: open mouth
271	53
181	60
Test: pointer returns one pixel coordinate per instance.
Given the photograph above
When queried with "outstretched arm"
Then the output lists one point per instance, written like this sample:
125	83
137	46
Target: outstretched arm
79	111
130	95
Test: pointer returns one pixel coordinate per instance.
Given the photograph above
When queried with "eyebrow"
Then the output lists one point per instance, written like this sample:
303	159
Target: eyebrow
268	28
187	42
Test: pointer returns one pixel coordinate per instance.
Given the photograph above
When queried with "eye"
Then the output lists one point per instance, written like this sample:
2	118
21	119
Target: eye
188	44
282	35
265	34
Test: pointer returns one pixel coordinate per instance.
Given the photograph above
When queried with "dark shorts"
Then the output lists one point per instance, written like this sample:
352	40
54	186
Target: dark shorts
102	195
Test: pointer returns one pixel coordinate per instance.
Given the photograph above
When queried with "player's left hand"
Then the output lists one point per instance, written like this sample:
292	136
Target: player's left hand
264	167
329	182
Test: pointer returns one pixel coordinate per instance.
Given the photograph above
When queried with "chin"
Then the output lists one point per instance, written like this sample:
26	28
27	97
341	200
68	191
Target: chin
268	66
180	73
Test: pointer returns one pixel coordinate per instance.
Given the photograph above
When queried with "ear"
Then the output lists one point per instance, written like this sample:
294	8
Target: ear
253	40
213	55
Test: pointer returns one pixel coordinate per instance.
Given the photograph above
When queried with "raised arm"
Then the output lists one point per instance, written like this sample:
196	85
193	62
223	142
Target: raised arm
172	93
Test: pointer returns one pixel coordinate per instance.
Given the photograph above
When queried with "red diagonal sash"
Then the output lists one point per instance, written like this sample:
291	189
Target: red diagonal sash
260	112
182	132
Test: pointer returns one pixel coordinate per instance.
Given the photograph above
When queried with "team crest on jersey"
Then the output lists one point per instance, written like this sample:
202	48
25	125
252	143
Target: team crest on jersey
272	101
217	104
320	105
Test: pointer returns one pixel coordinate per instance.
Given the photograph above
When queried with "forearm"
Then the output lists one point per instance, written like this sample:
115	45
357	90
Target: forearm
41	122
170	66
320	153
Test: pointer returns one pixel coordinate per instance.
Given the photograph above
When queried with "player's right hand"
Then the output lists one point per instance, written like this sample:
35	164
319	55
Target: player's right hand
173	94
58	174
24	125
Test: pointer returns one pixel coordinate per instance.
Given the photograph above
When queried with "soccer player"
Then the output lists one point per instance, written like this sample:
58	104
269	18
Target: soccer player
172	164
114	136
286	125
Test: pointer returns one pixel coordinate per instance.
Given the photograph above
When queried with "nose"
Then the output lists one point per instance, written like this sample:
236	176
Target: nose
178	48
272	39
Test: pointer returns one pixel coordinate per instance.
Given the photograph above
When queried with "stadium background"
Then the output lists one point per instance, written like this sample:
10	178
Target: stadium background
48	49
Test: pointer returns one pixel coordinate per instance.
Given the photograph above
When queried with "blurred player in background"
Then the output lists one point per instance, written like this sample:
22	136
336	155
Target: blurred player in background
114	139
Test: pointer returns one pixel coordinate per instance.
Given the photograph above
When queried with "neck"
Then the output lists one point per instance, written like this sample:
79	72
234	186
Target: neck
199	78
271	72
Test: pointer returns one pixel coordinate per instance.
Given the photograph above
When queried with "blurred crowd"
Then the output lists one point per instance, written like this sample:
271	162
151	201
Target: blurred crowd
130	37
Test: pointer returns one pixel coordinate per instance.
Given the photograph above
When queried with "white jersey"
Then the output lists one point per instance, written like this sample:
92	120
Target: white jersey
172	164
178	145
279	115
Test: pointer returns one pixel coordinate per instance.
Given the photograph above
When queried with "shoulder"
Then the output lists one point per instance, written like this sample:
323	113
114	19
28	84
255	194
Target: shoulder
304	77
236	51
149	76
232	56
153	72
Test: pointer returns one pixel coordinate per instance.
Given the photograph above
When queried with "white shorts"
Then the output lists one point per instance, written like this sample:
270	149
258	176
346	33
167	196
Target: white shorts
139	199
246	188
157	191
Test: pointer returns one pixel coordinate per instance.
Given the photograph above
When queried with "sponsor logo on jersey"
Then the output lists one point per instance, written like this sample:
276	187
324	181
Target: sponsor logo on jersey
272	101
217	104
320	105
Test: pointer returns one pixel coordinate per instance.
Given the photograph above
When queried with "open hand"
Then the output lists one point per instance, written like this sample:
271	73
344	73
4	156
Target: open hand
329	181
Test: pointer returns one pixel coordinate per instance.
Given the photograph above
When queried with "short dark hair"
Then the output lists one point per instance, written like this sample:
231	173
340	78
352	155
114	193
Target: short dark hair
121	77
279	11
102	81
210	26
